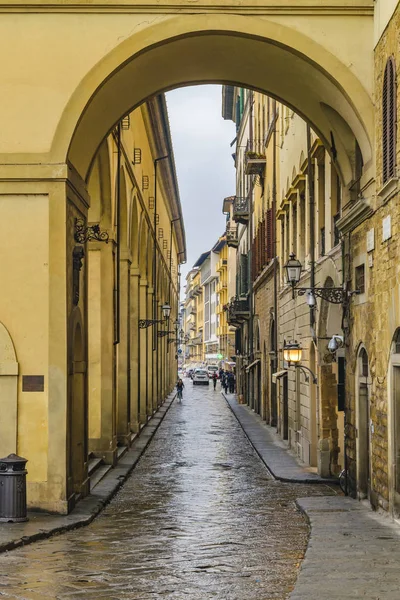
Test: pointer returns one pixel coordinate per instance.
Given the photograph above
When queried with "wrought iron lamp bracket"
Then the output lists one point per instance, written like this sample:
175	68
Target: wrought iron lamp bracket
144	323
304	369
91	233
161	334
332	295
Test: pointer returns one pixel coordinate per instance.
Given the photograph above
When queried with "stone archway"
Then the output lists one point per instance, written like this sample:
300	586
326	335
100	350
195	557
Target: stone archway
53	121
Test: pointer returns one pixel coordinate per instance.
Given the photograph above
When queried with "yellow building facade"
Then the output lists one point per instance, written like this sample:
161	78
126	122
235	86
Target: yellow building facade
124	244
83	67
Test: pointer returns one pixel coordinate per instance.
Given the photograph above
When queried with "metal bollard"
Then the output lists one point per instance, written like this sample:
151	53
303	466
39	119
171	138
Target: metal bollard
13	489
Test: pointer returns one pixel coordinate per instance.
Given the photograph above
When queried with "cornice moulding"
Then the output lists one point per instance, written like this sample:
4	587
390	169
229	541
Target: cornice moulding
356	215
307	7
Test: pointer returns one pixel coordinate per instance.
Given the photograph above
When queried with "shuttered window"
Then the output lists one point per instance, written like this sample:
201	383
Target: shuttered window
389	125
269	235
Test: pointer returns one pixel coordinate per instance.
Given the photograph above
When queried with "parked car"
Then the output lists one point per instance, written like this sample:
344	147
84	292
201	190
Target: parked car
211	369
200	376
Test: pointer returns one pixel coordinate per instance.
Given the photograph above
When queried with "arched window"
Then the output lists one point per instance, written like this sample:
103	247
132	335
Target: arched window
389	98
363	363
396	342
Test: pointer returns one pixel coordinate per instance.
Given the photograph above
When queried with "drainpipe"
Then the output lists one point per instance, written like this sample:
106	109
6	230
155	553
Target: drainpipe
312	228
155	328
274	248
118	240
249	261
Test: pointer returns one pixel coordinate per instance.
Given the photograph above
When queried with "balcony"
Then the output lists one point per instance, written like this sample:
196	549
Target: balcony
255	160
197	340
196	290
221	286
205	276
238	311
221	265
241	211
232	239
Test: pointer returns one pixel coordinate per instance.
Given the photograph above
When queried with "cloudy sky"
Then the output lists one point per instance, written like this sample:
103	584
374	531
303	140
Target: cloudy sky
205	169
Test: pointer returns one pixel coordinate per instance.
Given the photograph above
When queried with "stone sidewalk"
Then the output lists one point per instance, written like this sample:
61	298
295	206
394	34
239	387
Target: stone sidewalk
44	525
271	449
352	552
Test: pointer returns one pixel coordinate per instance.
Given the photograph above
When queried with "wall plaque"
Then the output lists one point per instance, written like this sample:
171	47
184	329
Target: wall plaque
33	383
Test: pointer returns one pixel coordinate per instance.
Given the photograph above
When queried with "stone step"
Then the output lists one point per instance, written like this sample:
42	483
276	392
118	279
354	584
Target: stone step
98	475
121	450
93	465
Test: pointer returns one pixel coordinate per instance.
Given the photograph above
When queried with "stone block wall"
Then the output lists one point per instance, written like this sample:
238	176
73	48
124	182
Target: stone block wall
375	317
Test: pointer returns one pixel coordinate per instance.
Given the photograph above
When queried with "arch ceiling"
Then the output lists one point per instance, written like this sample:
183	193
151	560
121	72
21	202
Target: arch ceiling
255	53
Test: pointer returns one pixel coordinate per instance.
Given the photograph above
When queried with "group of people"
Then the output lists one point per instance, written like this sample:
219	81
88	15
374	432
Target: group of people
227	379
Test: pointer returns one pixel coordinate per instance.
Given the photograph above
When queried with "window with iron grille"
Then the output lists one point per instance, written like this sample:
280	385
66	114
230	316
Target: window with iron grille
360	279
389	125
397	341
322	241
363	363
336	233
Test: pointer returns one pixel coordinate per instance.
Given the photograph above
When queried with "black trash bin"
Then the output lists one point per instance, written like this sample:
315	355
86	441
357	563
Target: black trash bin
13	489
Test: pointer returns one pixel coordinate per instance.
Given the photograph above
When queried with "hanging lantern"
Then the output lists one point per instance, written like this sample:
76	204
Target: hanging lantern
292	352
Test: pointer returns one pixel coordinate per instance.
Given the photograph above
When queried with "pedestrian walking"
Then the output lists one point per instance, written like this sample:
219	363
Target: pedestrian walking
179	388
231	383
214	380
225	382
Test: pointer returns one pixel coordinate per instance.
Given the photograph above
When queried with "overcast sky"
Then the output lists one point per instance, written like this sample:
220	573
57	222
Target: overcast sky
205	168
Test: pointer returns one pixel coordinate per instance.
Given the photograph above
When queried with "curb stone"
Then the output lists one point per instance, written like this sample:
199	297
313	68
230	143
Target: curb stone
265	448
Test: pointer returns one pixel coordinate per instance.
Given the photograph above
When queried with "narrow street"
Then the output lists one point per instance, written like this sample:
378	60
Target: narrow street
199	518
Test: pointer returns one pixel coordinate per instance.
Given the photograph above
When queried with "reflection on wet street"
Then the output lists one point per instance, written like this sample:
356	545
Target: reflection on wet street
198	519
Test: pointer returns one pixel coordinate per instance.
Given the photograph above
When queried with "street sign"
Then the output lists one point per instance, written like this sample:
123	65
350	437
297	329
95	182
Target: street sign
179	350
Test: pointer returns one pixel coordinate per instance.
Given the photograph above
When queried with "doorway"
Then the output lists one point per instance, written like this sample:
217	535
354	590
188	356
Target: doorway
364	419
285	408
77	427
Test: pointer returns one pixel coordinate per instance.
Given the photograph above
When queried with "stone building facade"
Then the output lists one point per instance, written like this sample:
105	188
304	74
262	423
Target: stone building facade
372	250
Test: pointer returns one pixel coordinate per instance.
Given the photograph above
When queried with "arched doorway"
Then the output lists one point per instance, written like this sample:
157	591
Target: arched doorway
331	413
314	411
363	425
395	423
272	368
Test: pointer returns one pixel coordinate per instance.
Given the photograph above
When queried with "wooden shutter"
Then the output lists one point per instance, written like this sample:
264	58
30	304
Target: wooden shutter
263	247
389	125
244	277
269	235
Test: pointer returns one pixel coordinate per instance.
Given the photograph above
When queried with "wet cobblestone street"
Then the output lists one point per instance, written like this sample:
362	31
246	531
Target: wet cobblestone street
199	518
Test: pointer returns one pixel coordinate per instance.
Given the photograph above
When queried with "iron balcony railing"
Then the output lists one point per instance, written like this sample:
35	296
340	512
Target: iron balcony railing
255	157
232	236
241	209
238	310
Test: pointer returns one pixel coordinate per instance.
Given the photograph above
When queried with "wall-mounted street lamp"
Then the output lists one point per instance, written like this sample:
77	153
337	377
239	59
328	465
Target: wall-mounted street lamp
166	311
292	352
333	295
